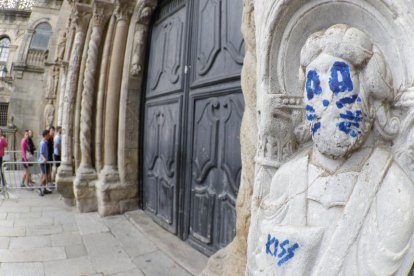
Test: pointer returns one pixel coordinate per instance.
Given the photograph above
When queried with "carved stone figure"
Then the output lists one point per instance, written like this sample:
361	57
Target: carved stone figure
49	115
342	206
53	82
61	47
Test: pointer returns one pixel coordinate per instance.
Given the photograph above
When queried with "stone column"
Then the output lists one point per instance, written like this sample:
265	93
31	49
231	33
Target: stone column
65	173
100	101
109	188
83	185
76	124
131	93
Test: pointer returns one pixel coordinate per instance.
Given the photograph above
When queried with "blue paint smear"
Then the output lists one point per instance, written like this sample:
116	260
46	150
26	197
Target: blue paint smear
346	83
316	127
282	245
290	254
359	99
270	242
346	100
352	116
313	84
309	108
351	123
325	103
311	117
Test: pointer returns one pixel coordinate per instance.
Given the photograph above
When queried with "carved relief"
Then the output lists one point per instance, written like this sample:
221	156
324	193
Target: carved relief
322	211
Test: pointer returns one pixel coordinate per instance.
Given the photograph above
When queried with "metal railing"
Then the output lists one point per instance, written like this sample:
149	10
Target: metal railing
13	169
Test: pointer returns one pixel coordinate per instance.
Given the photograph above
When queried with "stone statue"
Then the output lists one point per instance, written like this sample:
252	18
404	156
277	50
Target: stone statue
342	206
53	82
49	115
61	47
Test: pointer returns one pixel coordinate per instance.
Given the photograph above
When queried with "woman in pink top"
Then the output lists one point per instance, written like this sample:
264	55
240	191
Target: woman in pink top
24	146
3	146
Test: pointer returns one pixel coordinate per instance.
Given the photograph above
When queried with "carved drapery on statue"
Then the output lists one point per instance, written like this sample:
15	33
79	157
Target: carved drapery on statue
284	128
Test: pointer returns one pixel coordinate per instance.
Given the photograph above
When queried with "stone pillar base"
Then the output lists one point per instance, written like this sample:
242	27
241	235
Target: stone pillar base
113	196
85	191
64	184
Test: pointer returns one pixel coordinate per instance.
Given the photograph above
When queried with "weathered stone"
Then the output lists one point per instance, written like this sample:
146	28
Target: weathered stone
22	269
75	266
32	255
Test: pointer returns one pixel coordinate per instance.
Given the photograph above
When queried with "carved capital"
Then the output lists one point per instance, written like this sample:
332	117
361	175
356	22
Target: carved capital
123	10
145	9
81	16
101	12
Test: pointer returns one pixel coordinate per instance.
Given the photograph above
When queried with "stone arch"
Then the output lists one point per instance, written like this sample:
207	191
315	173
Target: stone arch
281	48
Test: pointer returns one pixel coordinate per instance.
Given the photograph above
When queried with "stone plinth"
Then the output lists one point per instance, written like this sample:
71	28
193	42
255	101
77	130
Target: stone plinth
64	183
85	191
113	196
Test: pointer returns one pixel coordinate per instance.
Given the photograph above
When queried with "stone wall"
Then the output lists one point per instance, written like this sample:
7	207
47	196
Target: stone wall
29	75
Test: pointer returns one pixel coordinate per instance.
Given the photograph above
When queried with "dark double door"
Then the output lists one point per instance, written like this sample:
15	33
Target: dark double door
193	109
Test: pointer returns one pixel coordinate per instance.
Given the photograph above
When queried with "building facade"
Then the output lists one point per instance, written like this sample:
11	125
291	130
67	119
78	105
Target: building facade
150	101
28	79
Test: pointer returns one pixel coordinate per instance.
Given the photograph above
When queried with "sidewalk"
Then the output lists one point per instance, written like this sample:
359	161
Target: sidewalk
41	236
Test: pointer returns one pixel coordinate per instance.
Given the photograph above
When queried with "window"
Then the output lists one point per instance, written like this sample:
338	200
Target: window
41	36
4	107
4	55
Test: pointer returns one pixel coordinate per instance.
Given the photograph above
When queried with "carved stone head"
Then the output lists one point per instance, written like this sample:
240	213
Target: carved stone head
347	89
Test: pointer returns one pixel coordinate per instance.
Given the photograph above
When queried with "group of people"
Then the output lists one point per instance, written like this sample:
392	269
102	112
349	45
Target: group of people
48	155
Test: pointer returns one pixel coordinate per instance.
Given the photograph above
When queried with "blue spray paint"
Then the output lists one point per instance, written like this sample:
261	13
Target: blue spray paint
311	117
351	122
313	84
285	255
282	245
343	85
346	100
290	255
325	103
315	127
309	108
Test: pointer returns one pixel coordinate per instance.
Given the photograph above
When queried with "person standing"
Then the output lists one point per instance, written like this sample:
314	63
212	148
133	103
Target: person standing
43	159
3	146
24	147
57	144
30	143
50	149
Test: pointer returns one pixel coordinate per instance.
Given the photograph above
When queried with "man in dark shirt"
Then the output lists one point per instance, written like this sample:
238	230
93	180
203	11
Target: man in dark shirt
50	150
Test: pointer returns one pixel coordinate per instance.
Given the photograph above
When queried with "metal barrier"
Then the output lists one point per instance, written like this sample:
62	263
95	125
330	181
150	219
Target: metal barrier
12	175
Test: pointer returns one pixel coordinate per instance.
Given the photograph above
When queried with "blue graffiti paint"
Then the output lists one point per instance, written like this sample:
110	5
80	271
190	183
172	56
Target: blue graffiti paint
351	122
345	84
311	117
271	241
315	127
285	255
325	103
282	246
309	108
290	255
313	84
359	99
346	100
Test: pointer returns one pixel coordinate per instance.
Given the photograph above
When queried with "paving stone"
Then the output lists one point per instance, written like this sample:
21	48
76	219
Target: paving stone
106	254
75	251
15	209
3	215
30	242
90	223
132	240
14	216
7	223
43	230
21	269
68	228
34	222
157	263
65	239
135	272
4	242
32	255
12	231
69	267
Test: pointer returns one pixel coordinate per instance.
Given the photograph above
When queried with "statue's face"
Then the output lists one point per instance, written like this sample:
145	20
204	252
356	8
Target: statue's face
333	105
